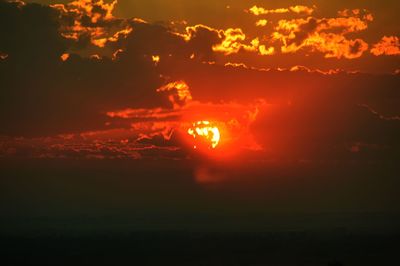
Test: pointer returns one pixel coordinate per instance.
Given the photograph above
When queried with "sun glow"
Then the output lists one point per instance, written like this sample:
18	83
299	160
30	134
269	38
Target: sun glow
206	133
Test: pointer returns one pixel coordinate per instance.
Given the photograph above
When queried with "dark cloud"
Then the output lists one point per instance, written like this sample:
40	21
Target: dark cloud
42	94
30	34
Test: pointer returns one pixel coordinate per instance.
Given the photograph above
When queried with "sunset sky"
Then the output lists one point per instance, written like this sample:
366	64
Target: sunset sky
209	108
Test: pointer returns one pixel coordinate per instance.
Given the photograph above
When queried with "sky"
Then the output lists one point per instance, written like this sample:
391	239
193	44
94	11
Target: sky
201	107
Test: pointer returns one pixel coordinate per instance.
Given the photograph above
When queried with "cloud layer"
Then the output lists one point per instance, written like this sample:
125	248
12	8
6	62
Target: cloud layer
78	81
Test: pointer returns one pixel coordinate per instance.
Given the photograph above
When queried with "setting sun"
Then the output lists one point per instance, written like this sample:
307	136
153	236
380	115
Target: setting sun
205	134
199	132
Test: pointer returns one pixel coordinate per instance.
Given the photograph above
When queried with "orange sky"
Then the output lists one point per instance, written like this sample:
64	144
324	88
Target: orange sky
106	109
299	81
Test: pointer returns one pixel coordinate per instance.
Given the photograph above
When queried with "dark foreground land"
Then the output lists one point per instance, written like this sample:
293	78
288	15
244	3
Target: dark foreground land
173	248
156	213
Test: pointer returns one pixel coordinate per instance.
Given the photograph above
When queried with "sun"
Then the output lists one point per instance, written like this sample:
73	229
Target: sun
205	134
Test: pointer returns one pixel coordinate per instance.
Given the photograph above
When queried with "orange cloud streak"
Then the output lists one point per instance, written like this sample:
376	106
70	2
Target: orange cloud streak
323	35
181	94
298	9
261	23
100	13
64	57
3	56
387	46
233	42
257	11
